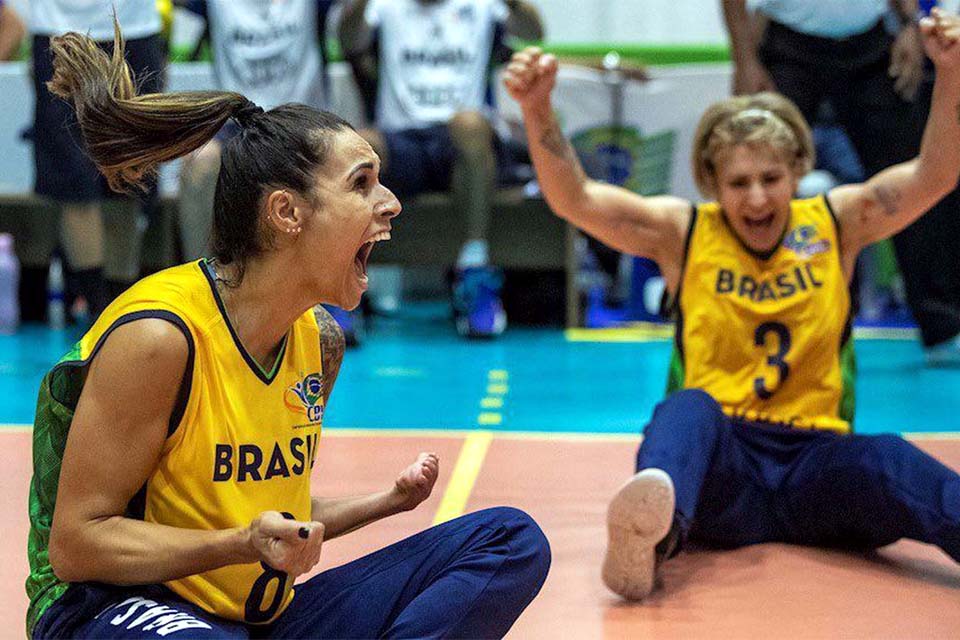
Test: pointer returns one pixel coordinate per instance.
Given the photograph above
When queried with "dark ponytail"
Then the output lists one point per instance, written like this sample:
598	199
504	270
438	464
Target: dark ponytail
129	135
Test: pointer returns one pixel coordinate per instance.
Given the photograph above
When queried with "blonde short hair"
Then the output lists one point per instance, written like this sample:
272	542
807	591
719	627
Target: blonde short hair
760	119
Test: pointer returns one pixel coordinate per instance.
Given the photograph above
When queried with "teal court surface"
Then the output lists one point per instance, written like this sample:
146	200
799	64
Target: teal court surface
548	420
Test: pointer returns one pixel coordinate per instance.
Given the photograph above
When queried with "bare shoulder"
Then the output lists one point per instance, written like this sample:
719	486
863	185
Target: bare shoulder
154	342
852	205
135	376
675	215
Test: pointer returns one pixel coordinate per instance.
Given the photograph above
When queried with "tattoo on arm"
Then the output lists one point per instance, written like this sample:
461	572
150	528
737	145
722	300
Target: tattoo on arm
558	146
554	142
332	346
888	198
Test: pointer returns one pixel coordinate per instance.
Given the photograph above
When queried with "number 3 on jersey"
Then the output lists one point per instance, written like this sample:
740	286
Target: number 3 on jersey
782	345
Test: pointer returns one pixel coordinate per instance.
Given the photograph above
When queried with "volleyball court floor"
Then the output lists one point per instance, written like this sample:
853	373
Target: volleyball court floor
547	421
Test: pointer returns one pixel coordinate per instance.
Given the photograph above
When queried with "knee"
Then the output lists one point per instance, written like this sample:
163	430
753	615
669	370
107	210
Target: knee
529	546
471	132
891	455
695	406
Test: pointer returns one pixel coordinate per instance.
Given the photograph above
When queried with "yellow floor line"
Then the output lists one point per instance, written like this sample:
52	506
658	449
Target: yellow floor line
464	475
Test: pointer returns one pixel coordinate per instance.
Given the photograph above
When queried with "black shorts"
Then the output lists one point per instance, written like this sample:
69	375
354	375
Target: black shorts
63	171
421	160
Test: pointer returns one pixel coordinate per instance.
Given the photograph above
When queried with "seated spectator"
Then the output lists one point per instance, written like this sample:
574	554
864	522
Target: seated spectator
424	67
101	244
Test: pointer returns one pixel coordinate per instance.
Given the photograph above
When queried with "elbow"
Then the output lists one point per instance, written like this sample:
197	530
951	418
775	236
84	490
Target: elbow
64	558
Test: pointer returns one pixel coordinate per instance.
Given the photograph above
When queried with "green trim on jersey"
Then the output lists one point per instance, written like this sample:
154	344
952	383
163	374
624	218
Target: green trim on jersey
675	372
848	377
57	401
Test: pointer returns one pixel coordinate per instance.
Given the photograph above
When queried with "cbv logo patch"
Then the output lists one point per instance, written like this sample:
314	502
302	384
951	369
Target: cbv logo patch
306	397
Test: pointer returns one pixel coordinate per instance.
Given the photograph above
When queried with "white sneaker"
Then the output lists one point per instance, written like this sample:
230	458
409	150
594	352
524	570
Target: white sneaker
639	516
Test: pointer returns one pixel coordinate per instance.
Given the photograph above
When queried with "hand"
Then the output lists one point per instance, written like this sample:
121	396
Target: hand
281	543
750	76
530	77
415	483
941	33
906	62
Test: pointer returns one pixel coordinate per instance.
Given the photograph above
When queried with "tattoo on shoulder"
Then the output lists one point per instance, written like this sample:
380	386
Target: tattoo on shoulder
889	199
332	344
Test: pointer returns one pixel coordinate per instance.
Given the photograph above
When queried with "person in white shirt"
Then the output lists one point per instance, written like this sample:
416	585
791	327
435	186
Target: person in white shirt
424	67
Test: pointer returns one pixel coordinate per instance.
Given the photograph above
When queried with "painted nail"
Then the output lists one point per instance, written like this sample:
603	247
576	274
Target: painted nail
304	533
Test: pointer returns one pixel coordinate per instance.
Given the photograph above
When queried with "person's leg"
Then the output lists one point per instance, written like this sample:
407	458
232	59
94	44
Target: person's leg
682	439
658	504
123	224
472	182
82	238
198	184
864	492
471	177
35	248
64	174
468	578
96	611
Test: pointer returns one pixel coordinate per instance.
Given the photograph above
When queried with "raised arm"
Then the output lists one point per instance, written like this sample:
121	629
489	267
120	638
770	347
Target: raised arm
116	439
414	485
652	227
895	197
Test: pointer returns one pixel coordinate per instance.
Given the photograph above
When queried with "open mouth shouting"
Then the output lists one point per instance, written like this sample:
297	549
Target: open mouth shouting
363	255
759	224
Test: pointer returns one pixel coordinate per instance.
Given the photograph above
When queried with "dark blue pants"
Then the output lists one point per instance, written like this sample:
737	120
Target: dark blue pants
740	483
468	578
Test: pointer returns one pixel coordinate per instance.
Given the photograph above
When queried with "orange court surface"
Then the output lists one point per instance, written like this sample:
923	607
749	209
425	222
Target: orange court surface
906	590
548	421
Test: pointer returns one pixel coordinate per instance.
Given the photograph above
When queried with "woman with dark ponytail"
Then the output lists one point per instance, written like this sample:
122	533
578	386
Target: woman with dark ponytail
173	445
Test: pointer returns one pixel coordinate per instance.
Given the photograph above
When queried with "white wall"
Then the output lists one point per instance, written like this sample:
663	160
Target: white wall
634	21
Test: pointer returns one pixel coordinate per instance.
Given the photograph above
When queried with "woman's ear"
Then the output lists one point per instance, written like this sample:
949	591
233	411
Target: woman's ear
284	212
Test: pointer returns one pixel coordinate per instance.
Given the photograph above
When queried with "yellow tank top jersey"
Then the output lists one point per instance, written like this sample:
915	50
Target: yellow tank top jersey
768	337
242	440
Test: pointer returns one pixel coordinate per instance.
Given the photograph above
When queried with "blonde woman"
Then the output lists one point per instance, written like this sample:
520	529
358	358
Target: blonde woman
754	442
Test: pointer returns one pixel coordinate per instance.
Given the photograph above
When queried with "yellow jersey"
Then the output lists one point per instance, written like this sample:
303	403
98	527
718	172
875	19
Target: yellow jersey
241	440
767	336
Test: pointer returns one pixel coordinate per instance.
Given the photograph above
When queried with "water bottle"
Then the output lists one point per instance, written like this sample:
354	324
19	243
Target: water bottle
9	286
56	311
